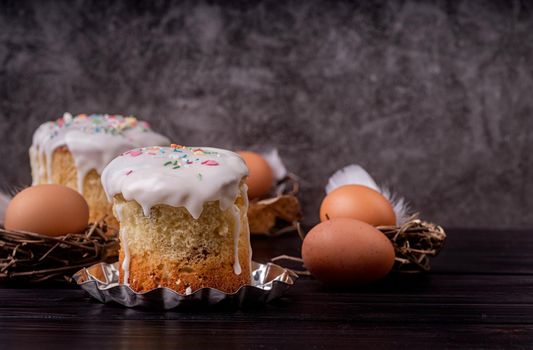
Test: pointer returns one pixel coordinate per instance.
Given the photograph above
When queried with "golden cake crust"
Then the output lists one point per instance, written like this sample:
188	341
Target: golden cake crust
149	271
171	249
64	172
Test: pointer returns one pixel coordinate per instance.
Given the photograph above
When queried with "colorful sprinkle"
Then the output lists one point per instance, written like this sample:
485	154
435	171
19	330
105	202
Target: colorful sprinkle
100	123
135	153
210	162
129	172
145	126
130	120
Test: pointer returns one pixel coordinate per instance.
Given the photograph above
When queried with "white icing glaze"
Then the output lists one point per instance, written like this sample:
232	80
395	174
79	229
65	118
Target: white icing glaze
244	196
126	261
236	235
177	176
123	240
92	140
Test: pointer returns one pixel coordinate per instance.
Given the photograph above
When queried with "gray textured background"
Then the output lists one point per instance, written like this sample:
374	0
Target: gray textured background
434	99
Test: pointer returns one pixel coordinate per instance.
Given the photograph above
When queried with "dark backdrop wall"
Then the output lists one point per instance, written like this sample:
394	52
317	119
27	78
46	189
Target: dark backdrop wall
435	99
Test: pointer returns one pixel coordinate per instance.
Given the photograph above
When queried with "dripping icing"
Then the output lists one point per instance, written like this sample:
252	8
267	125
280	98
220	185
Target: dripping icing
80	176
244	196
126	261
92	140
236	234
169	175
118	208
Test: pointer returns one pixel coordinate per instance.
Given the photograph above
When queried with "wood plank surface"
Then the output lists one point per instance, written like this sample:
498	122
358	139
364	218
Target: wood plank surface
480	295
143	334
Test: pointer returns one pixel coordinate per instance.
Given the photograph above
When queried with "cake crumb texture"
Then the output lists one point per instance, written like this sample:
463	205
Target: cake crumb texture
169	248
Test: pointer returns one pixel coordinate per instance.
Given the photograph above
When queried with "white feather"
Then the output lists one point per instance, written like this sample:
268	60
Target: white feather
399	205
4	201
355	175
351	175
274	160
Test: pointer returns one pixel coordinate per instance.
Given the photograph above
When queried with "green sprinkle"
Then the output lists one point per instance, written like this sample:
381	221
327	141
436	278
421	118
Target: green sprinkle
167	163
199	176
176	167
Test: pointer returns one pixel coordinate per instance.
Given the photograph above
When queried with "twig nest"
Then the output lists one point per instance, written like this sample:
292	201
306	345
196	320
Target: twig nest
415	242
278	214
32	257
267	214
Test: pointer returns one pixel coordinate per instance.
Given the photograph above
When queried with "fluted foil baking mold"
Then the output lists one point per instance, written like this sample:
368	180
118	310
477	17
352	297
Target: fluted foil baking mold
101	281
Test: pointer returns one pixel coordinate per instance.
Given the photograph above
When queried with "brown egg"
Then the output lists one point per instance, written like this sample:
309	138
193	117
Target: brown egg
360	203
347	252
52	210
261	178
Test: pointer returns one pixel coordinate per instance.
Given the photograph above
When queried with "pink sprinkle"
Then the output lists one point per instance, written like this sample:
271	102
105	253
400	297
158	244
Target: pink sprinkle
135	153
129	172
210	162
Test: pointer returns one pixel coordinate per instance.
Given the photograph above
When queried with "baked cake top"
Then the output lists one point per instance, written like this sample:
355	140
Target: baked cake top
177	176
93	140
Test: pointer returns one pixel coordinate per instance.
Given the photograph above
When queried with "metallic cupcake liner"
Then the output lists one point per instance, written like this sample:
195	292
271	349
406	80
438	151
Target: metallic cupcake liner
101	281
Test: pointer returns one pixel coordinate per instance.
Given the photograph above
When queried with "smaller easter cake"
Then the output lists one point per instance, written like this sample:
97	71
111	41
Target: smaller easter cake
73	151
183	218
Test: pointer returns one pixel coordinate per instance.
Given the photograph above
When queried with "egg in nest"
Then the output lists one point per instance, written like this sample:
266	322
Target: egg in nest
345	251
358	202
261	177
50	209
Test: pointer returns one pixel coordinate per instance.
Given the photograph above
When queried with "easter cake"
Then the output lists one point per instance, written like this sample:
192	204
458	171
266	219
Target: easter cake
183	218
73	151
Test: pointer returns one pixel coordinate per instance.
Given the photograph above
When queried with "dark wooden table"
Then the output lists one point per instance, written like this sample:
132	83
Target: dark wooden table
479	295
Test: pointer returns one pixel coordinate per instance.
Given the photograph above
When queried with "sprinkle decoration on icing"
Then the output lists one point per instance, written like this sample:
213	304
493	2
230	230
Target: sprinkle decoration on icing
93	140
180	177
170	175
